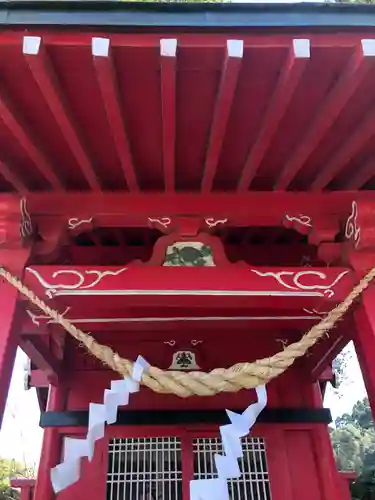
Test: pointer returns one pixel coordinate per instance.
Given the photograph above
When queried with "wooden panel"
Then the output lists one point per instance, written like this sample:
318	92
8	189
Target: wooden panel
304	473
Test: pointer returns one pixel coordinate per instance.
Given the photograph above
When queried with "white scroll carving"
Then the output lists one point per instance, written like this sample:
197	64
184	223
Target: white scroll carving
194	343
352	230
80	279
304	220
170	342
36	318
315	312
211	222
75	222
26	227
163	221
297	276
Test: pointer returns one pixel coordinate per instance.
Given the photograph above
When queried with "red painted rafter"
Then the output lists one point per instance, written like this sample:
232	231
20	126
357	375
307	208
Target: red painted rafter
43	73
168	50
363	175
229	78
325	353
106	76
361	134
36	349
289	78
21	134
334	103
13	179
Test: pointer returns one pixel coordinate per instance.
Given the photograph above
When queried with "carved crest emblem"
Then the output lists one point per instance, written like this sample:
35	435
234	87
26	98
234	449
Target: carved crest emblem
184	360
189	254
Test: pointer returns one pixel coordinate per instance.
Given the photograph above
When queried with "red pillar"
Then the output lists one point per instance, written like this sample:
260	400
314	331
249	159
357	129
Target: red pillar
51	448
325	459
14	260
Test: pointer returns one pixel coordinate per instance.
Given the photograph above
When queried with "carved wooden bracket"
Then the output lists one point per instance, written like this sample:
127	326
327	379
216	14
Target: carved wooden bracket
186	226
359	229
16	227
324	231
301	223
53	234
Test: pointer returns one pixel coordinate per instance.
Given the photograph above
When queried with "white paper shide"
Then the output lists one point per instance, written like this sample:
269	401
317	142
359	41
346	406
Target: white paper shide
227	465
68	472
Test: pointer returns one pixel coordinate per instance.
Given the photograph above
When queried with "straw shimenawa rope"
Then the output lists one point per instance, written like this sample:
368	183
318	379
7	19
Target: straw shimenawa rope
184	384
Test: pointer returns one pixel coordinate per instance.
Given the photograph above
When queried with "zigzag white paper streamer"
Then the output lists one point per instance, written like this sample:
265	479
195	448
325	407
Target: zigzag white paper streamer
227	464
68	472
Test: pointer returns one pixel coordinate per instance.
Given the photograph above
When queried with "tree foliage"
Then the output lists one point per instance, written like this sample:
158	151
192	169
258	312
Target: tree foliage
8	470
356	1
353	442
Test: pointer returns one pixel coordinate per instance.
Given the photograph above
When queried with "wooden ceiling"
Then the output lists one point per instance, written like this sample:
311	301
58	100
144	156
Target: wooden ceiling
186	112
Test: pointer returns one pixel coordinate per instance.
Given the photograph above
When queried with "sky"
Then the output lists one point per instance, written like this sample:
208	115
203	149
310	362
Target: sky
21	437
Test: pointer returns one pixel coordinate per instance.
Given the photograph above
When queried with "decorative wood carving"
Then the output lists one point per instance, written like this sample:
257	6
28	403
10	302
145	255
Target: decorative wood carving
300	223
200	250
304	280
352	229
359	228
236	281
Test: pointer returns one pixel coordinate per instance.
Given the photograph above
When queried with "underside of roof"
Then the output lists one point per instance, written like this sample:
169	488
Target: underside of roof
86	103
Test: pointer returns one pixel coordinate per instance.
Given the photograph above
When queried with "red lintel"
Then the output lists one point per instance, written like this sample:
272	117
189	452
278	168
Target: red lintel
204	205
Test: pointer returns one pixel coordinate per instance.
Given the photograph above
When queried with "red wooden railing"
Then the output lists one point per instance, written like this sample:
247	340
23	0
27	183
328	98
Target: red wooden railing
346	479
26	486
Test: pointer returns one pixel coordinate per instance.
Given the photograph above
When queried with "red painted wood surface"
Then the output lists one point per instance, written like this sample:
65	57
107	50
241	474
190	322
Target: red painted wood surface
293	463
26	486
78	141
227	287
135	119
51	447
14	260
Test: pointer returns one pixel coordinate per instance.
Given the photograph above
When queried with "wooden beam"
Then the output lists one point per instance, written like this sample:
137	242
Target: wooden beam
177	417
324	353
39	379
361	176
234	286
298	56
159	204
12	178
241	209
356	69
228	84
23	136
360	135
168	51
38	352
106	76
38	61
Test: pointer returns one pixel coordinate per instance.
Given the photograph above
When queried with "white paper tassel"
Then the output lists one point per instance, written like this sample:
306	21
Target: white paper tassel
68	472
227	465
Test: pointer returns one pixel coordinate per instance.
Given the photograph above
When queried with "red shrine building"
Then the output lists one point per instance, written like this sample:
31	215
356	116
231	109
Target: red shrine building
195	184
